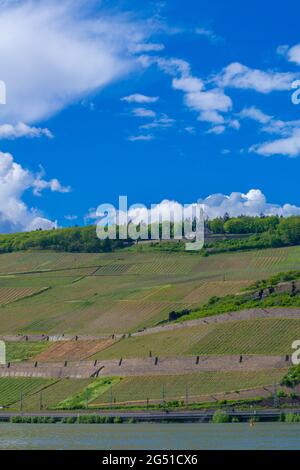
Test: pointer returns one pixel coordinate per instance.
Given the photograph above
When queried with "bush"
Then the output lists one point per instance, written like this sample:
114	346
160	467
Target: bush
281	394
118	420
235	419
292	418
220	416
292	378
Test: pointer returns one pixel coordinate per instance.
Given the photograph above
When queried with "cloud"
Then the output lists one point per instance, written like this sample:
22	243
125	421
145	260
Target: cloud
188	84
136	138
138	98
289	132
171	66
217	130
54	53
289	146
210	104
255	114
143	112
9	131
190	130
208	33
240	76
252	203
163	121
15	180
54	185
293	54
270	124
71	218
147	47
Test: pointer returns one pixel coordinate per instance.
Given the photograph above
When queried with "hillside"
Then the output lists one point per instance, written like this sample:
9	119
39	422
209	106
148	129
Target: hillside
55	293
118	305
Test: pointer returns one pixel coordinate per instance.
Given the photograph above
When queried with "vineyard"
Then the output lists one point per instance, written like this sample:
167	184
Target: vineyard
11	294
39	394
165	343
11	390
168	388
71	350
121	292
261	336
24	351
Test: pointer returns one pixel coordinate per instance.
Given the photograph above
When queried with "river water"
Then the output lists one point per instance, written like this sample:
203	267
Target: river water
150	436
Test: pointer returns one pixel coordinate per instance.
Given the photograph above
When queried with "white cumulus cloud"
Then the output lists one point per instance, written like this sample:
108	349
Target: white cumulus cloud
252	203
139	98
289	146
143	112
237	75
15	180
10	131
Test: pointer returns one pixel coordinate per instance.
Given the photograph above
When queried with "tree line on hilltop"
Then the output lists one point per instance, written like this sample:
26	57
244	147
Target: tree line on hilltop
263	232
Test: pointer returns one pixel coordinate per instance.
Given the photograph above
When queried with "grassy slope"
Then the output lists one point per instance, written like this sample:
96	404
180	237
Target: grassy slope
128	290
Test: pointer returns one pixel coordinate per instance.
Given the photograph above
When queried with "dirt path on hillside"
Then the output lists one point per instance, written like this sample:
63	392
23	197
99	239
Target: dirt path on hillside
145	366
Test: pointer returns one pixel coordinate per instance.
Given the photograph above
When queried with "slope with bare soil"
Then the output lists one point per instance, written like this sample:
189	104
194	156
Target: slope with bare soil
72	350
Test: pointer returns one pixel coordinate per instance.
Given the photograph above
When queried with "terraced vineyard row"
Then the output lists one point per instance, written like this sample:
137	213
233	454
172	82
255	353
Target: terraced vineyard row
271	258
130	315
72	350
42	393
206	290
11	389
24	351
11	294
170	388
261	336
161	264
166	343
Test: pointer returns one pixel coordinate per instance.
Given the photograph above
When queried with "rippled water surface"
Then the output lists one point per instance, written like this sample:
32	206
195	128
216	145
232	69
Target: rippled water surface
150	436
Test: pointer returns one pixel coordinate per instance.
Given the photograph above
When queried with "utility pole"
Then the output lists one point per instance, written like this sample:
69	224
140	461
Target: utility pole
21	401
41	401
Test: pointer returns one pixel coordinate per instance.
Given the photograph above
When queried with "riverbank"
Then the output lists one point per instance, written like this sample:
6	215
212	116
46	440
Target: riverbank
110	417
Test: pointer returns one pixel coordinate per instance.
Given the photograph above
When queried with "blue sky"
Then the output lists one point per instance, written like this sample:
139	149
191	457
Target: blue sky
156	100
